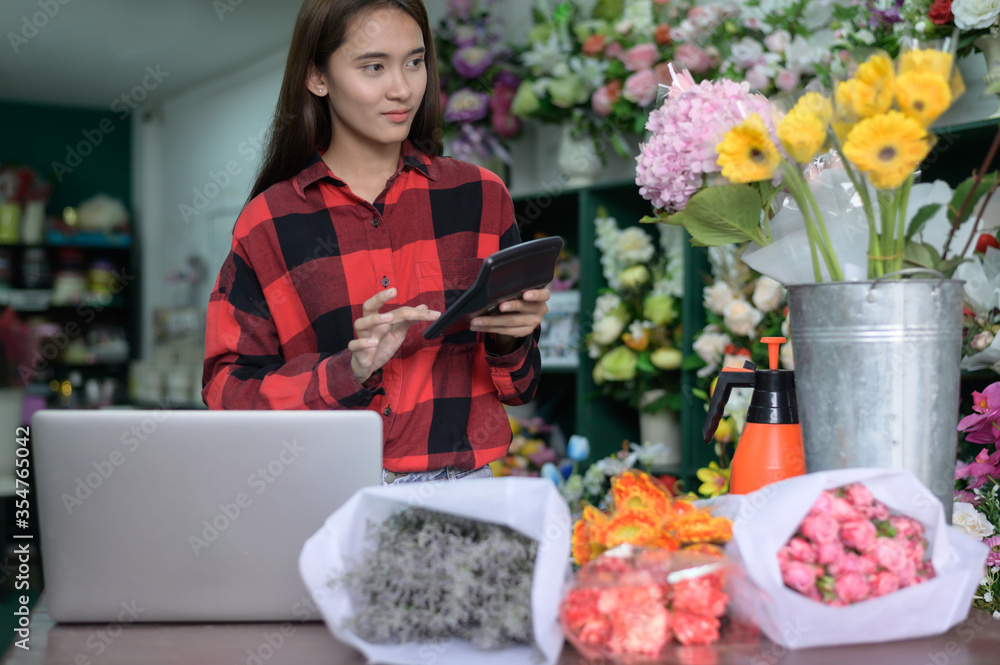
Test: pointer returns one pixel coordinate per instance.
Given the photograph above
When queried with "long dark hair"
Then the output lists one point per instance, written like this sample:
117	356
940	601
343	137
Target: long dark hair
301	123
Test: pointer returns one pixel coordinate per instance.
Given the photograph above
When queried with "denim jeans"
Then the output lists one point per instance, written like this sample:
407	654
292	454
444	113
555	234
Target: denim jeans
447	473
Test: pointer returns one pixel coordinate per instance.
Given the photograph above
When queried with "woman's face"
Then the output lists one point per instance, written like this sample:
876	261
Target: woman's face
376	79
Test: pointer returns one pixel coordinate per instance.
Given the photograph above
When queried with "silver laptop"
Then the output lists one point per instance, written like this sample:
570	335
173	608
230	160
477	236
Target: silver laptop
190	515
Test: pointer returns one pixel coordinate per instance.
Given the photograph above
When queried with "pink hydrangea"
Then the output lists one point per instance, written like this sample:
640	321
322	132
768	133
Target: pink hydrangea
680	152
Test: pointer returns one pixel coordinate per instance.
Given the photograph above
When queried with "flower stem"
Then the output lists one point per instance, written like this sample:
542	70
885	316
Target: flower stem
814	223
902	200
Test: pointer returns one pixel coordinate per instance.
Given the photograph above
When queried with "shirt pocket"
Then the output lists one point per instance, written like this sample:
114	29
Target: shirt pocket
441	283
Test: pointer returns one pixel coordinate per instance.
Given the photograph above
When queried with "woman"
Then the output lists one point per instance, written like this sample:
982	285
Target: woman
356	236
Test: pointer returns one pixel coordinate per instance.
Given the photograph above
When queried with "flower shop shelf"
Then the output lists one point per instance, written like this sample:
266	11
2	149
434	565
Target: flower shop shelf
570	213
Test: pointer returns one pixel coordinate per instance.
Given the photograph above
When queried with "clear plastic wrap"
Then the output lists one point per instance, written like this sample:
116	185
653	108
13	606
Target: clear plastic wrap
637	605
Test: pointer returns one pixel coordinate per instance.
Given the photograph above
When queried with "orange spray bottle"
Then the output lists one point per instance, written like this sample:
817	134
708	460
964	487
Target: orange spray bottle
770	448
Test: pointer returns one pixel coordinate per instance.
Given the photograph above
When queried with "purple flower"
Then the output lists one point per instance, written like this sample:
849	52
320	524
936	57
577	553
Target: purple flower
472	61
980	427
884	17
466	106
984	467
993	558
465	35
460	8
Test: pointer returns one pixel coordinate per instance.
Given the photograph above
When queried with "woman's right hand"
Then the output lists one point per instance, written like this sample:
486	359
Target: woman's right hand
379	336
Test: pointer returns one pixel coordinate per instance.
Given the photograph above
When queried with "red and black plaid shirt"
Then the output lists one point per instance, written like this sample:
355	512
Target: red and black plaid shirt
307	253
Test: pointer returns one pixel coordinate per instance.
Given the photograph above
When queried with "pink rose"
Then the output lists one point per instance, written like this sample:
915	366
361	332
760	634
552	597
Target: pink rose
890	554
801	550
820	528
851	587
600	101
915	550
868	563
852	563
883	583
693	57
843	511
907	574
878	511
907	527
823	503
858	496
641	87
614	50
858	534
641	56
786	80
827	553
800	576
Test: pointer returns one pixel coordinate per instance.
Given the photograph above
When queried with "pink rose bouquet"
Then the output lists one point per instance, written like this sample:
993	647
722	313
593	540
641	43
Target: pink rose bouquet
849	548
636	605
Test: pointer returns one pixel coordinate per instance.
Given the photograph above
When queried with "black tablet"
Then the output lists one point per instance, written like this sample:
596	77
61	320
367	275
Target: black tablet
504	275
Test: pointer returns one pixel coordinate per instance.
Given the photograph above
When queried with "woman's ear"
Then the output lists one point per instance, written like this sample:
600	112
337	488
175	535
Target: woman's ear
316	82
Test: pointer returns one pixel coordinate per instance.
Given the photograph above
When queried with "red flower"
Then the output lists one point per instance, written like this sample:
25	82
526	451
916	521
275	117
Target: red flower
985	239
662	34
940	13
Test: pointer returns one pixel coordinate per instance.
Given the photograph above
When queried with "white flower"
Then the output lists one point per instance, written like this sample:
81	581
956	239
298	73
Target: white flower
865	36
778	40
747	52
634	246
975	14
612	466
710	346
741	317
988	597
593	479
717	296
969	520
786	356
996	615
605	304
768	294
652	454
608	329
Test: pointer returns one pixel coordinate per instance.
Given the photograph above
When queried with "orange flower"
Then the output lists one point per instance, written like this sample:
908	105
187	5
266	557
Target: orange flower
637	527
662	34
586	535
635	490
594	45
704	549
640	344
701	527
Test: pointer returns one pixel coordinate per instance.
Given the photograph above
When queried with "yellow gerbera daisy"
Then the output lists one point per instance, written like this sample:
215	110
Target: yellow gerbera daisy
632	526
746	152
926	60
887	148
802	134
923	96
869	92
816	104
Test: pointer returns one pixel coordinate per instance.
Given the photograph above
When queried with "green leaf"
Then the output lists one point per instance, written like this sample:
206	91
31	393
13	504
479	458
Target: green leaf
962	191
921	255
722	215
643	363
692	362
919	219
653	219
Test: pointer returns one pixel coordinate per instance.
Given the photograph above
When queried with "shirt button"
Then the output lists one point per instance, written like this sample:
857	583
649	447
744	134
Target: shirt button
386	411
375	222
385	281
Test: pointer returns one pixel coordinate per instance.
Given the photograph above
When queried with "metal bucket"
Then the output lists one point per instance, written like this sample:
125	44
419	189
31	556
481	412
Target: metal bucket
877	376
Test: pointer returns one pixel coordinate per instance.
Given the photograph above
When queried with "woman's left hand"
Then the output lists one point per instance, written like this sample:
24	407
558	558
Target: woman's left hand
515	318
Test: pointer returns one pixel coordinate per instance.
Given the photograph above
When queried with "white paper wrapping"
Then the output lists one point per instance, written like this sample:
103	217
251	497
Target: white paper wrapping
531	506
763	522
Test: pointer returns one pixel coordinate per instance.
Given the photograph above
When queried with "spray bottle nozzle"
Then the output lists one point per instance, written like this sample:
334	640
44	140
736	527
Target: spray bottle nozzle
773	347
733	377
